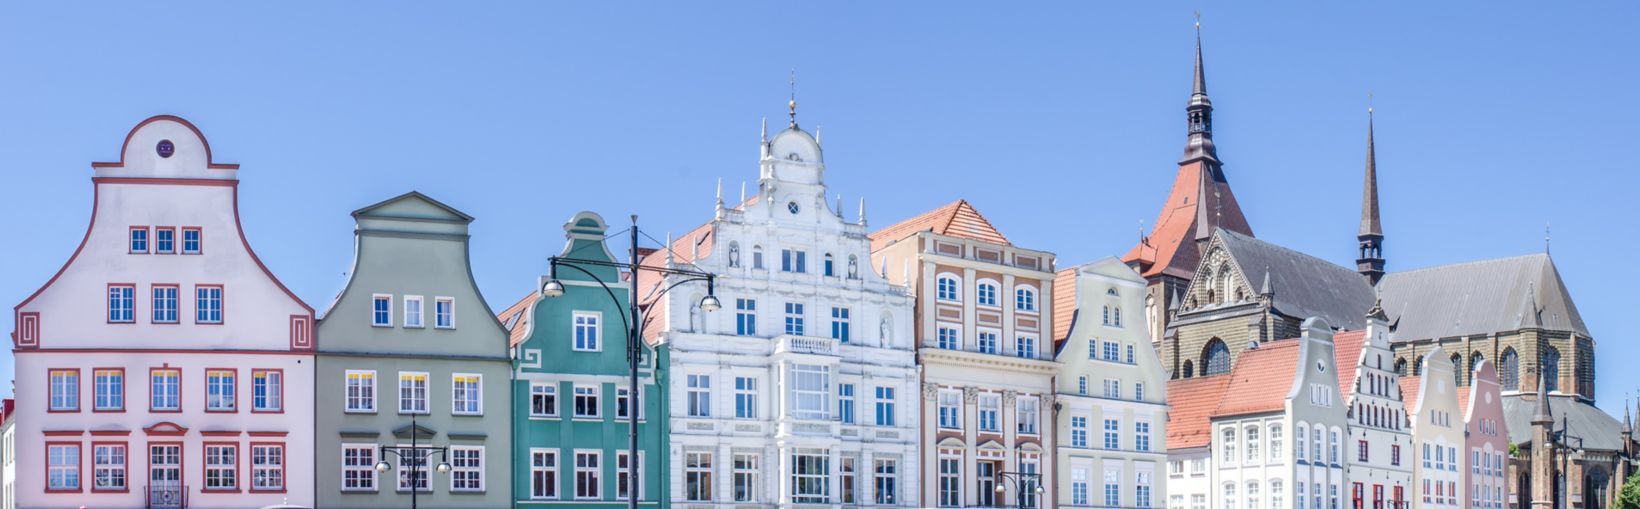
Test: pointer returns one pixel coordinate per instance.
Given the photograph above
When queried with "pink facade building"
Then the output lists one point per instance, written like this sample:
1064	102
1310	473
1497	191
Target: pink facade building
163	365
1487	438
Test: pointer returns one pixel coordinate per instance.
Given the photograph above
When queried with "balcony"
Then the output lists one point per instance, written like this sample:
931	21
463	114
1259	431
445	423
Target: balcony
808	345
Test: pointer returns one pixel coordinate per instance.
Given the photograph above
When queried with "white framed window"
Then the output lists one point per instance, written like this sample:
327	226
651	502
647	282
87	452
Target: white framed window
699	393
1113	388
588	474
1113	431
949	339
413	469
413	392
412	311
950	409
164	386
1025	299
1113	488
361	391
122	304
885	406
1275	445
219	390
623	480
466	468
746	473
986	294
1027	411
746	317
62	467
543	474
1079	485
757	257
745	397
697	476
108	389
208	304
848	478
358	467
587	331
623	404
794	318
108	467
544	400
811	475
192	240
1141	436
1253	456
986	341
381	310
840	324
165	240
267	467
165	304
1079	431
267	390
990	412
586	401
221	467
466	394
810	386
444	313
884	481
950	478
139	240
1025	345
845	403
948	288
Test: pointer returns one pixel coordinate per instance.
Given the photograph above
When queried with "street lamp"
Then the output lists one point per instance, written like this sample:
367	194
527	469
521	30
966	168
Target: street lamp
1022	481
418	456
553	288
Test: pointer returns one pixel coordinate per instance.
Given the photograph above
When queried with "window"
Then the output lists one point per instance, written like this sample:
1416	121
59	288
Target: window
1252	495
586	401
165	304
1275	444
699	395
358	467
267	390
165	240
745	477
381	311
810	384
1275	494
108	390
543	474
587	474
1113	388
885	406
191	240
1332	447
990	409
986	294
746	317
412	393
1082	385
412	311
757	257
828	266
121	304
1361	451
1116	321
1228	443
62	467
792	260
845	403
413	469
1395	455
1141	436
207	304
361	391
1027	410
623	479
221	467
1025	299
623	404
1252	444
1130	354
139	240
1298	491
1230	496
1113	488
883	481
466	468
444	313
948	288
848	477
1079	431
1025	346
794	319
950	409
267	467
1112	351
587	331
745	397
1113	430
108	471
811	474
466	394
839	324
697	476
219	390
1079	486
949	339
1105	316
164	390
1138	391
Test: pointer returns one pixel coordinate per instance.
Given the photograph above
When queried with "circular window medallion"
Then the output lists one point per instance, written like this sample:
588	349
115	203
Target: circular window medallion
165	148
792	206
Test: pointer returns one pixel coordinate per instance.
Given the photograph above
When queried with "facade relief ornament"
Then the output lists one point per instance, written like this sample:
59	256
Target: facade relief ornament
970	394
1008	397
930	391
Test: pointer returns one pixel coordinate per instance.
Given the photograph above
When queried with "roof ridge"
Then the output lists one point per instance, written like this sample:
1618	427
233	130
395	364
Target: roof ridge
1474	262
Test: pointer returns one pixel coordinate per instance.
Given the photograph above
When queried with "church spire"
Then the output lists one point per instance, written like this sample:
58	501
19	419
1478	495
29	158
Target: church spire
1199	112
1371	234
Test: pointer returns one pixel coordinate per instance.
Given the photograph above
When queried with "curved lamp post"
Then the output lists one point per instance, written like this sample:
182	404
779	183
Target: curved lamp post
418	456
553	288
1022	482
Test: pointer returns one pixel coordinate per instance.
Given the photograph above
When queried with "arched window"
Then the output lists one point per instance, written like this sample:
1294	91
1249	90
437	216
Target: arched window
734	254
1025	298
1509	370
853	267
949	288
1474	360
1215	358
1457	369
1189	369
1110	291
986	293
1418	368
1228	282
1551	368
1117	314
757	257
1401	367
827	266
1106	320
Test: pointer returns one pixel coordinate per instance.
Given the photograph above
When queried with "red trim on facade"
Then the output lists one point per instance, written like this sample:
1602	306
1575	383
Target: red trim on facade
207	394
167	350
221	304
95	198
28	330
205	464
284	463
183	231
124	383
147	243
247	244
182	460
79	463
64	433
152	308
126	467
111	433
166	429
209	161
154	240
267	433
77	391
301	332
221	433
108	310
166	181
281	373
165	367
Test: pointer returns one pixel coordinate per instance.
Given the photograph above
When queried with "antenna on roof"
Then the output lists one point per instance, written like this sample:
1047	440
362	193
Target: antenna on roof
1545	237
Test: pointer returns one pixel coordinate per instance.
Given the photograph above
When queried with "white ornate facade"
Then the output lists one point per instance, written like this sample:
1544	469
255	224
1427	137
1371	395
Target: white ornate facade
1380	444
802	389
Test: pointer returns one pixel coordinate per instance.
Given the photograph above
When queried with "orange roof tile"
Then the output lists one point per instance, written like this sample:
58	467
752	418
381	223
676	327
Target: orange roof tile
517	331
956	219
1346	356
1190	406
1064	305
1260	380
1171	245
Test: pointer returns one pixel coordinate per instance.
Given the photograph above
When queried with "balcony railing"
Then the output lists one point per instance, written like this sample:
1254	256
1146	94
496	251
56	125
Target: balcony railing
787	343
167	496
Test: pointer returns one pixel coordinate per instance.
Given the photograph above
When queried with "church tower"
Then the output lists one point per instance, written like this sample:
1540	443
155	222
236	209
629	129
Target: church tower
1543	453
1371	235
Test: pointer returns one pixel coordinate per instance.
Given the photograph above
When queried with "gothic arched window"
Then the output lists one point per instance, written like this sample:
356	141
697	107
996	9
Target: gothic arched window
1551	368
1474	360
1215	358
1457	369
1509	370
1189	369
1228	283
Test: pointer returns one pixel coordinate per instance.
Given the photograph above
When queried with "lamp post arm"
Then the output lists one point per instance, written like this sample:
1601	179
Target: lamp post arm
571	263
657	296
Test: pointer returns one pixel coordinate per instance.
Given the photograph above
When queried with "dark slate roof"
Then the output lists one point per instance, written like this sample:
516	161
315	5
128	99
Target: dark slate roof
1304	285
1599	430
1480	297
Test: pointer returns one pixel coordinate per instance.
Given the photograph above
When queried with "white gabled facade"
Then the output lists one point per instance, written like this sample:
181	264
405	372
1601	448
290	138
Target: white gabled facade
1438	433
1110	403
1380	444
164	365
802	389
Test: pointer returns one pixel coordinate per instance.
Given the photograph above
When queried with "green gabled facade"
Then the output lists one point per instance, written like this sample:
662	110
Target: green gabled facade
570	373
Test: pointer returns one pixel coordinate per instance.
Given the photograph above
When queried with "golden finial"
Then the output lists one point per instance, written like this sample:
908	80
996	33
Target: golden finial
1198	20
792	104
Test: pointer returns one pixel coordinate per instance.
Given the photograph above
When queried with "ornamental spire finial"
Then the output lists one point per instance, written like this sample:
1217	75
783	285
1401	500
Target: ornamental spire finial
792	103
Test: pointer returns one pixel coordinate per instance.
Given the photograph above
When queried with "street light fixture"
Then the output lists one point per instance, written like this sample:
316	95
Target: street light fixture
553	288
1022	481
418	456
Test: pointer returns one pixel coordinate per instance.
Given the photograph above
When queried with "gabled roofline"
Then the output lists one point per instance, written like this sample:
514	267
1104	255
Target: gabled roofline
412	194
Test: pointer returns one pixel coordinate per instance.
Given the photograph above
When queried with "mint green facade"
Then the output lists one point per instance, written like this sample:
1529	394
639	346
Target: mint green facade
573	348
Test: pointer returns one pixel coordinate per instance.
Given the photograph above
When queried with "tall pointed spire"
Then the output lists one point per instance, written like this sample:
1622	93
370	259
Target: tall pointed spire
862	216
1199	112
1371	234
1543	414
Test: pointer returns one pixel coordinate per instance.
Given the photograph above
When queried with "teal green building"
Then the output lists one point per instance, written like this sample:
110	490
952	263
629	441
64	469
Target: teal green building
571	409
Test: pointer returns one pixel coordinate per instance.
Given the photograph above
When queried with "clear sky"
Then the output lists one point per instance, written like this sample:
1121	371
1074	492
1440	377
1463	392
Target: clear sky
1060	121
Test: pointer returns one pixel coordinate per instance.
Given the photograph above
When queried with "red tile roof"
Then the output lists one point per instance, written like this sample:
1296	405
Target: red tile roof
1171	245
1260	380
517	331
1346	356
1064	304
955	219
1190	406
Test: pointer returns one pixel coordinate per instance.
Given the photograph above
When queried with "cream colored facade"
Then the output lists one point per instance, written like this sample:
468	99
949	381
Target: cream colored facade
1111	399
1438	433
987	370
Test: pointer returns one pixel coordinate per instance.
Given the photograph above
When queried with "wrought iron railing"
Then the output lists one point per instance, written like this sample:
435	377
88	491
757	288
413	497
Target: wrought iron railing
167	496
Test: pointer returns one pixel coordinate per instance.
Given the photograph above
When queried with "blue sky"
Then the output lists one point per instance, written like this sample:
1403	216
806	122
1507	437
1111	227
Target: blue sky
1060	121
